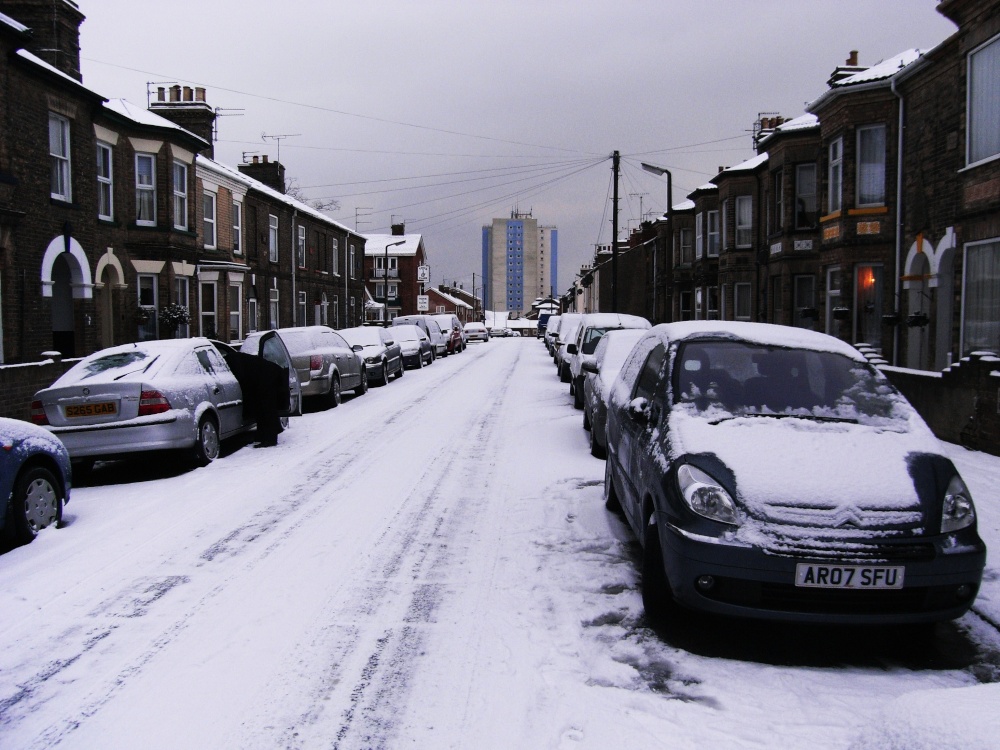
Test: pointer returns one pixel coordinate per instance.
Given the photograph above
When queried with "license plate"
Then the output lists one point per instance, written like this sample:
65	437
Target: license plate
96	409
849	576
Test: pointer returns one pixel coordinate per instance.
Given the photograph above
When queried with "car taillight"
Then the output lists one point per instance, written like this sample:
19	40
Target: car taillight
152	402
38	413
315	362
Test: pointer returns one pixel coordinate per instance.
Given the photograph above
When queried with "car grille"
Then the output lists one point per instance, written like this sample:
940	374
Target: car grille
845	533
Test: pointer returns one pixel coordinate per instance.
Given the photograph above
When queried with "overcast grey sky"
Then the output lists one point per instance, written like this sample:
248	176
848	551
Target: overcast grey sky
445	114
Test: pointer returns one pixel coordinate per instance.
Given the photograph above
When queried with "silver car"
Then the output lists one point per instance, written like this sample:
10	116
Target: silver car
152	395
599	373
324	362
588	335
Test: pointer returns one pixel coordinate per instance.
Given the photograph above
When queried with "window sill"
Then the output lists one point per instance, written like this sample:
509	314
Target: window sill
830	216
980	163
868	211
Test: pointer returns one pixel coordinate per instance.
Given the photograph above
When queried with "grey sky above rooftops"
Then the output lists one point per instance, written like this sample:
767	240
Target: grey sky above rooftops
446	113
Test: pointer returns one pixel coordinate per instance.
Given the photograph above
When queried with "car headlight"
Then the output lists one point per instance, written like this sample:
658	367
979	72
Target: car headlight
706	496
373	360
957	511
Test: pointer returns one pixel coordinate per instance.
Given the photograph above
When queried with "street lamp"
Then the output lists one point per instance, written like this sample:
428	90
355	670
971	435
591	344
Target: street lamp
660	171
385	280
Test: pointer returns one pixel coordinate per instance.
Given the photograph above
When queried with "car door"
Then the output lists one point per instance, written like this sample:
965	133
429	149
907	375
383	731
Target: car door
638	418
271	348
393	353
348	362
222	388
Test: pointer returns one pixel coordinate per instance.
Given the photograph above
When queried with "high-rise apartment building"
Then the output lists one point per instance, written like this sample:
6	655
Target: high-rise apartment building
520	259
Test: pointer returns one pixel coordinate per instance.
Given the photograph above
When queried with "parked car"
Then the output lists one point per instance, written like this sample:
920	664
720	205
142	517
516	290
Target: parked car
772	472
151	395
568	325
476	332
551	329
543	322
270	386
35	480
451	327
415	345
439	341
592	327
600	372
324	363
379	350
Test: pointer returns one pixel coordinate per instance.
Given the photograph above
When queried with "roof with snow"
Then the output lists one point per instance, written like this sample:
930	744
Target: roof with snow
6	20
747	166
141	116
35	60
304	208
684	206
375	244
448	298
877	75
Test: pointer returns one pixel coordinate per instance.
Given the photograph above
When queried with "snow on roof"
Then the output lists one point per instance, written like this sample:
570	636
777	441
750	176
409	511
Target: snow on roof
882	70
449	298
260	187
684	206
375	244
760	333
54	70
142	116
8	21
802	122
747	166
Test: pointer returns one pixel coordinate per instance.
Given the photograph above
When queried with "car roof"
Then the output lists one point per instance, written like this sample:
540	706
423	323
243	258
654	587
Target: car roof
767	334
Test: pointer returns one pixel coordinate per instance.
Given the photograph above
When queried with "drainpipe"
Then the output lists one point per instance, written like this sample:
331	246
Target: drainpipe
295	262
899	223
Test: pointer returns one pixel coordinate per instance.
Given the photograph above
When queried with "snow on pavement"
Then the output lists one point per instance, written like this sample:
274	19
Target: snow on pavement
428	566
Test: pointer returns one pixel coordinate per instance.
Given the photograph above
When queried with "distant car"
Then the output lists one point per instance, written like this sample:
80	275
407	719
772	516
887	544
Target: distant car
451	327
438	340
325	363
543	322
35	480
379	350
773	472
476	332
600	372
152	395
551	329
592	327
415	346
569	323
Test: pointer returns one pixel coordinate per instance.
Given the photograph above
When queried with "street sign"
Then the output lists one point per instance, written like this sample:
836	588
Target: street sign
423	274
423	303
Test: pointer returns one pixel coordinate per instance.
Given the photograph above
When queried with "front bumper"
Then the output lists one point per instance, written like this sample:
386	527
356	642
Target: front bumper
749	582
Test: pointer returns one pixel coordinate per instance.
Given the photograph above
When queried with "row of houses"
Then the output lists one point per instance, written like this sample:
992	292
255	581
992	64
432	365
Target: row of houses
874	216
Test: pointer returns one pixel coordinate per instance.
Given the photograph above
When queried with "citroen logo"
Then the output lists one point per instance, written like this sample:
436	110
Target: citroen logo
848	517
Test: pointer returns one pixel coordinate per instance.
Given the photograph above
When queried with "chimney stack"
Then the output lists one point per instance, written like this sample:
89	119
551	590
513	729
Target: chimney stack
55	31
271	173
852	60
193	115
398	230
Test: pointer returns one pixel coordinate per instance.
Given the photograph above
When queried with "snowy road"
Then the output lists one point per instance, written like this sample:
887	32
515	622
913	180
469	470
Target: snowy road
430	566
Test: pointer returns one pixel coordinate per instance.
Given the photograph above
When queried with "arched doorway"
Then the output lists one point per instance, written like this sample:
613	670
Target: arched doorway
63	319
109	286
918	304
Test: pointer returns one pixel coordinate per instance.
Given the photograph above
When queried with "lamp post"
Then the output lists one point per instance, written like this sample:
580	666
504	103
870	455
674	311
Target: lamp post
385	280
670	226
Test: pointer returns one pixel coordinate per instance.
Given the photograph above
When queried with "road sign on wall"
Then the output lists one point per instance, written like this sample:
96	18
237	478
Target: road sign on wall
423	303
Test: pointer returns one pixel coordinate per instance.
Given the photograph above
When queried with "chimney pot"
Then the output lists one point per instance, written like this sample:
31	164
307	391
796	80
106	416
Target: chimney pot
175	93
265	158
199	94
853	59
161	92
188	94
256	159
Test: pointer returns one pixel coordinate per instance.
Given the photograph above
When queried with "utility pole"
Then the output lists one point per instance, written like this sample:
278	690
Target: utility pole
616	168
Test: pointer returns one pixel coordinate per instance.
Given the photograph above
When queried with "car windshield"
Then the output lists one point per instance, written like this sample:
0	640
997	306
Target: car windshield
298	341
402	334
738	379
117	361
591	338
363	336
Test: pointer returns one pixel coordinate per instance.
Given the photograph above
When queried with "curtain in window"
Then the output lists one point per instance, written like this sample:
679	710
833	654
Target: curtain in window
871	166
981	326
984	103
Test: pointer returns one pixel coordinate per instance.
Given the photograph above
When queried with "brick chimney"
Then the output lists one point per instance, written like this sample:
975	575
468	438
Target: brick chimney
55	31
271	173
849	68
398	230
187	107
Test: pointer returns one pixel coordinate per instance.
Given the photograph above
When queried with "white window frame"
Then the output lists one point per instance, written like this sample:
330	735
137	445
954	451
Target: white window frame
302	309
862	166
699	302
273	308
60	153
272	238
352	271
236	311
724	221
982	104
335	257
712	245
237	228
300	246
210	220
182	296
180	189
252	315
969	296
699	240
744	221
148	282
393	288
712	296
835	176
105	182
379	289
685	247
145	191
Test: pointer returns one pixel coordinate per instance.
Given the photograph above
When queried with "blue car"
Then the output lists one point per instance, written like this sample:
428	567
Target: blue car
35	480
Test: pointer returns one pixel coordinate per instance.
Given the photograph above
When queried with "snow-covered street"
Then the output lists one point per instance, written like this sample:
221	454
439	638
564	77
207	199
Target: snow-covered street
431	566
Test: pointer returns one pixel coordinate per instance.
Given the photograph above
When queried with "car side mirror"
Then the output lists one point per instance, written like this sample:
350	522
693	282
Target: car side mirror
357	348
571	349
588	366
390	342
638	408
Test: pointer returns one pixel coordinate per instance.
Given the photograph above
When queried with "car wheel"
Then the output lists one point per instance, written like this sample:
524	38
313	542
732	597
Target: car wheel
401	369
333	395
586	420
362	389
611	502
35	504
206	447
420	361
384	380
596	449
656	597
578	394
564	376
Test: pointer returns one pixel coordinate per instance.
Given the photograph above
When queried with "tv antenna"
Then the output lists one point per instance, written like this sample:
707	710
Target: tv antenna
279	139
